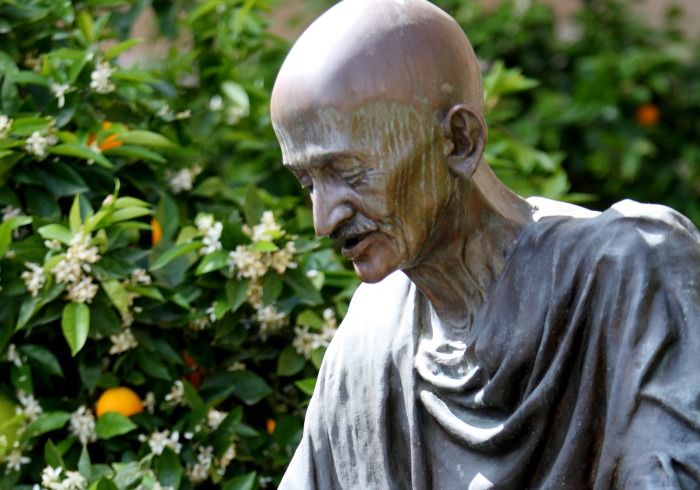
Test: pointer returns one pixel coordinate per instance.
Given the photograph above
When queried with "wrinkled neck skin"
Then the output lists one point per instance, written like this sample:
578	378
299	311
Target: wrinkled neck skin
468	250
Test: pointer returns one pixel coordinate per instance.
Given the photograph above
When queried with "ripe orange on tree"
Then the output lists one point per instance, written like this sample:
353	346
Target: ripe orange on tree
121	399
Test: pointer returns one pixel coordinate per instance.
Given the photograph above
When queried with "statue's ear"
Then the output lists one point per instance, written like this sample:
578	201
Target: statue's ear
465	133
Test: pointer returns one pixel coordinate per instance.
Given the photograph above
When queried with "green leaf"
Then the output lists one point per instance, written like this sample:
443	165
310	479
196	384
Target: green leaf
311	319
133	75
56	232
302	286
247	386
236	291
61	180
212	262
43	358
117	294
242	482
112	424
30	305
254	206
306	385
31	78
6	231
264	246
47	422
119	48
86	25
104	483
130	212
25	126
147	138
51	455
174	253
84	466
75	324
75	221
80	151
272	288
135	152
169	469
290	362
127	202
148	291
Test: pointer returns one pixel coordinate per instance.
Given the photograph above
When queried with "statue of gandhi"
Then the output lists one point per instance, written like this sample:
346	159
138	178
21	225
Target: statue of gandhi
498	342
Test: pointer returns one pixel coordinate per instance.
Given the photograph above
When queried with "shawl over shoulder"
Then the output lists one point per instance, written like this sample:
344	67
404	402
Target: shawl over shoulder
582	370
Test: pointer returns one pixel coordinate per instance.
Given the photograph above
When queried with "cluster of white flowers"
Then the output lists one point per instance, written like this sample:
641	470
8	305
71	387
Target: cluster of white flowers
138	277
183	179
122	342
177	394
51	478
306	341
36	144
199	471
82	425
14	459
34	278
252	264
30	407
12	355
72	269
100	78
226	458
9	212
158	441
5	125
214	418
270	320
211	231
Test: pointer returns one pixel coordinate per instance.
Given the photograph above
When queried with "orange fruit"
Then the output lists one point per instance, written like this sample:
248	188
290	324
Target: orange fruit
121	399
648	115
156	232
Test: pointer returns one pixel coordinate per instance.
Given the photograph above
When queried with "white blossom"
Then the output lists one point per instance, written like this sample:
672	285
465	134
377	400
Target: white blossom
237	366
254	294
15	459
34	278
158	441
183	179
306	341
30	406
149	402
5	125
73	481
59	91
199	324
235	114
227	457
249	263
12	355
83	291
267	230
216	103
123	341
9	212
109	200
50	476
281	260
177	393
270	319
82	425
211	229
214	418
100	78
183	114
140	276
52	244
36	144
199	472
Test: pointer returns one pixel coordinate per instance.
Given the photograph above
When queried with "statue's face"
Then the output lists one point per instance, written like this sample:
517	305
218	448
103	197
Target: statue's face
377	181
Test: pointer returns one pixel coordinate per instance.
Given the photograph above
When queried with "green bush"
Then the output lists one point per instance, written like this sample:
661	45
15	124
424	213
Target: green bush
618	99
150	239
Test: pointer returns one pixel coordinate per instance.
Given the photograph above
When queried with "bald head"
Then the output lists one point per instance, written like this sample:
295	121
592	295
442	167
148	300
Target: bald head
361	52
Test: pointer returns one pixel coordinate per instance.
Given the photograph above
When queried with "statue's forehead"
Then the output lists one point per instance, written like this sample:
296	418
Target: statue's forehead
370	129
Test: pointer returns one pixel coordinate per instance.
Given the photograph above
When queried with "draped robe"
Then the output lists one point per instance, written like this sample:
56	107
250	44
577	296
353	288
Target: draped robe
581	370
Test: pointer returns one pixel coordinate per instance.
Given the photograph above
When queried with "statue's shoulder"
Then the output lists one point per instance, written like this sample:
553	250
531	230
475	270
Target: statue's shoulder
628	231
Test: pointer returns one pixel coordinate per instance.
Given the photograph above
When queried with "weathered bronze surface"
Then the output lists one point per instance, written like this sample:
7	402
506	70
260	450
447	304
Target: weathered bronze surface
499	342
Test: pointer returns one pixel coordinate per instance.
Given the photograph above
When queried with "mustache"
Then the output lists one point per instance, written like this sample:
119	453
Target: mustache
351	230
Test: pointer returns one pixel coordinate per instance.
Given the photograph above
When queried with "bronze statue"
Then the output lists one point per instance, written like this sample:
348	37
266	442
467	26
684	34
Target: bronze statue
500	342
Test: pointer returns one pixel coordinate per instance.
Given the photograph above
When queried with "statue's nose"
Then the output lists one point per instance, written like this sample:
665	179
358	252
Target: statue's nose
331	207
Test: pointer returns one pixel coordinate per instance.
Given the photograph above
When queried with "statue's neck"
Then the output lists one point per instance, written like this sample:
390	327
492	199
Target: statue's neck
469	248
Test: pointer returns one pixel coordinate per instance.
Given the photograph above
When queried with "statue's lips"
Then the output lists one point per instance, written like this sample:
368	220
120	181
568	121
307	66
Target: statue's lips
355	245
